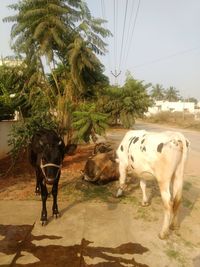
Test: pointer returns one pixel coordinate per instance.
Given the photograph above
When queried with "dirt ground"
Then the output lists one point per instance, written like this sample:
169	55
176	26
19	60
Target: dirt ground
182	248
19	182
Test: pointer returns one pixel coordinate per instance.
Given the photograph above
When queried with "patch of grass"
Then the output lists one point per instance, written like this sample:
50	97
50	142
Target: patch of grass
187	203
83	191
188	243
130	199
187	186
146	213
175	255
96	192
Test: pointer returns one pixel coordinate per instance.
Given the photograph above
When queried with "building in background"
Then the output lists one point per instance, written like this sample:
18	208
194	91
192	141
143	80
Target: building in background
161	106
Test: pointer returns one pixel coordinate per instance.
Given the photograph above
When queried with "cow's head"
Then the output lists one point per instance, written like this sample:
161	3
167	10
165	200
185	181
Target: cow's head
51	160
102	148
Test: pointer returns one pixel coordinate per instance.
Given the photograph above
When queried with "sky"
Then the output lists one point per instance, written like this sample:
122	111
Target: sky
157	41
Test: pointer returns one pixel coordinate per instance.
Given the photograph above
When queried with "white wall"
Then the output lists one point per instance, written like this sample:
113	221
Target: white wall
172	106
5	128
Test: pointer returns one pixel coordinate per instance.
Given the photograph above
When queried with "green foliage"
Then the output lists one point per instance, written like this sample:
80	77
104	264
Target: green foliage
66	34
12	80
23	131
126	103
6	104
87	122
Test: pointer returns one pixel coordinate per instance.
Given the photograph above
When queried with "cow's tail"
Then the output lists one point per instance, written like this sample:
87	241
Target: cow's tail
179	172
185	148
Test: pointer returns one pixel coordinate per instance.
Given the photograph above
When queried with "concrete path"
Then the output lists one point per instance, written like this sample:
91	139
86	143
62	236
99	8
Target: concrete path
86	234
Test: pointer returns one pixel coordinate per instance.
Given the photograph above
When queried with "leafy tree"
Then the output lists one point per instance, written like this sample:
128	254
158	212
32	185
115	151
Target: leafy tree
64	32
191	99
172	94
88	122
135	101
126	103
110	102
12	81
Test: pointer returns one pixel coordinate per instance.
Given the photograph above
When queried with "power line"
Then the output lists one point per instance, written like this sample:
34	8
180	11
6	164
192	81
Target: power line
103	9
167	57
129	24
115	33
122	43
132	33
115	73
128	31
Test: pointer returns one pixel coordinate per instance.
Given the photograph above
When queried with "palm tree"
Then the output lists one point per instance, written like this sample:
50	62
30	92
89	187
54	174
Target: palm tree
157	93
172	94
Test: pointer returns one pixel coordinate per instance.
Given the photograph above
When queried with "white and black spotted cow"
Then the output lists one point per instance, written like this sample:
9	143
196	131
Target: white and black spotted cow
159	155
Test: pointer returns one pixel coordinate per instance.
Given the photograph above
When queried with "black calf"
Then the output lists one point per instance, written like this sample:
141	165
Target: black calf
47	151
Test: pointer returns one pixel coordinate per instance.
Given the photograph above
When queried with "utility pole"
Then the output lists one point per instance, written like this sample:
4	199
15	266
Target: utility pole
116	75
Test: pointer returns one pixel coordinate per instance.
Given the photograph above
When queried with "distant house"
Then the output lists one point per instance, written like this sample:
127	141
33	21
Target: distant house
159	106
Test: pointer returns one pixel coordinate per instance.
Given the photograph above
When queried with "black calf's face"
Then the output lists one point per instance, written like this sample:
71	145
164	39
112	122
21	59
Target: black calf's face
51	163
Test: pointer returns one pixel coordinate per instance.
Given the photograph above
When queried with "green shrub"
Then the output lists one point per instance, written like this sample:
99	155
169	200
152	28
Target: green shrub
22	132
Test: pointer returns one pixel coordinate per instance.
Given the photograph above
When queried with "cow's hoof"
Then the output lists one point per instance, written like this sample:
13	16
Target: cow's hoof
174	227
37	191
145	203
56	215
119	192
44	222
164	235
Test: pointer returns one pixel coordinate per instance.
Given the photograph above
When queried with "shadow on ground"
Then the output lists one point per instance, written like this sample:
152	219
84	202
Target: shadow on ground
17	239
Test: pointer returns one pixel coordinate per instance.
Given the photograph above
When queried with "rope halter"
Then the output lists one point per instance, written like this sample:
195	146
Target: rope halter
42	166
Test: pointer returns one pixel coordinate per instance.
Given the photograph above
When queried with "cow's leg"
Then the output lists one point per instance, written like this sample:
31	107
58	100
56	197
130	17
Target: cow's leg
177	194
122	178
37	187
44	194
55	206
166	198
144	196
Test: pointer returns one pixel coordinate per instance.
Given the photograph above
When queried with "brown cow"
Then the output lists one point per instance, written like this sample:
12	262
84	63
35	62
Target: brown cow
101	168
